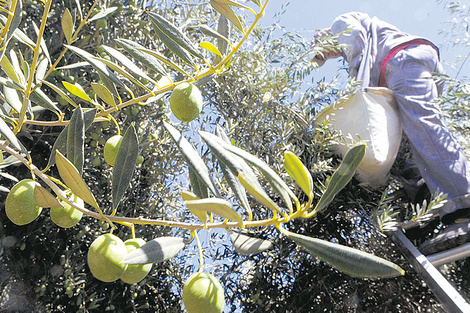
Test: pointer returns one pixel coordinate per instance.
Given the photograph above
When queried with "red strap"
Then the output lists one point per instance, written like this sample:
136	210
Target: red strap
394	51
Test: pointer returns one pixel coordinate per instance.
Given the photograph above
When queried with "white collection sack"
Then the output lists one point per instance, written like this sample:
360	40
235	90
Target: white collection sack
369	115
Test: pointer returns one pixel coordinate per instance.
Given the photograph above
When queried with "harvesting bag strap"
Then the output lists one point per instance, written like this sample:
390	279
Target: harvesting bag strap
394	51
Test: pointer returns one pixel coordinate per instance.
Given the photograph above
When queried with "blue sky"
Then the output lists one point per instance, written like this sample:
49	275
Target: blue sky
418	17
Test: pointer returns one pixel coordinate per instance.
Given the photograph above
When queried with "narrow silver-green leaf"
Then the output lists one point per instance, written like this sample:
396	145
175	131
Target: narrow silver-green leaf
41	70
200	214
342	175
198	187
40	98
164	60
224	28
127	63
12	98
227	11
98	65
125	164
206	30
15	63
259	194
71	177
60	143
102	14
276	182
59	92
192	157
231	165
156	251
42	44
147	60
248	245
79	8
173	46
298	172
346	259
8	134
217	206
174	34
14	19
76	139
121	71
67	25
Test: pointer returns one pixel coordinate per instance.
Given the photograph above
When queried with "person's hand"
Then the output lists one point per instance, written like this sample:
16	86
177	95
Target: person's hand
324	51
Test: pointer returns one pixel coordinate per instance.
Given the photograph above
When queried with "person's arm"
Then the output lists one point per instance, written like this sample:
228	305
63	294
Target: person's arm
351	33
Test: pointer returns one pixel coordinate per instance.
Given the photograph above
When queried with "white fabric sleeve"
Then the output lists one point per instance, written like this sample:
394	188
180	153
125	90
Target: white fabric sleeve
352	34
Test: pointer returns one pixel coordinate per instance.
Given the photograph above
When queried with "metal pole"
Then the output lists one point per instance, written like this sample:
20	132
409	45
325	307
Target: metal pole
444	291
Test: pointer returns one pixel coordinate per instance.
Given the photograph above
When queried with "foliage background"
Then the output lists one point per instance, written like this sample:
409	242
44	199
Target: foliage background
263	103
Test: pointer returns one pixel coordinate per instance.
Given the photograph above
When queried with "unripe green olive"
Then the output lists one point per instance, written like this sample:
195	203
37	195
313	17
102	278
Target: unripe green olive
202	293
186	102
104	257
20	204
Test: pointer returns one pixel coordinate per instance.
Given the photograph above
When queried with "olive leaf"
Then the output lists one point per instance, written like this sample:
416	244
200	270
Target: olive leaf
134	49
74	181
8	134
346	259
67	25
121	71
12	98
45	199
172	32
174	47
14	19
164	60
7	67
192	157
60	143
210	47
223	28
297	170
227	11
125	164
276	182
156	251
259	194
76	139
40	98
206	30
59	92
217	206
343	174
42	43
41	70
231	165
199	188
98	65
127	63
104	94
200	214
248	245
103	14
76	90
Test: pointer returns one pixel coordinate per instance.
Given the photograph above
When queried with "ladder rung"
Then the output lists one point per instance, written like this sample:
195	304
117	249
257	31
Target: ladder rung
451	255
